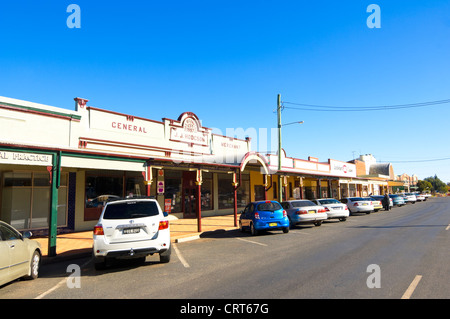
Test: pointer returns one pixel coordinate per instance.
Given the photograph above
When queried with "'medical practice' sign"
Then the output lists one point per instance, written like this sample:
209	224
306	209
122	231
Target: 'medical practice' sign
22	158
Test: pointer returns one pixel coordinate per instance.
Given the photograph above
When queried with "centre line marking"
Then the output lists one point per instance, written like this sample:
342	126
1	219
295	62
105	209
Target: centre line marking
411	287
180	257
251	241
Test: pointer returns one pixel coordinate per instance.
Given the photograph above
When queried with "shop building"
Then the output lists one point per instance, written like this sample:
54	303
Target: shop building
58	167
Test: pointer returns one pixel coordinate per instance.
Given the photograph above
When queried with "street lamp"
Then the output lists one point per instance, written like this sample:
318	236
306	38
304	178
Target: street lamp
280	190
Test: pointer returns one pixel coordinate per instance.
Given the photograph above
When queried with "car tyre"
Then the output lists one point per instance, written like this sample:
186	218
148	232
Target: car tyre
343	219
240	227
164	257
286	230
34	265
318	223
253	230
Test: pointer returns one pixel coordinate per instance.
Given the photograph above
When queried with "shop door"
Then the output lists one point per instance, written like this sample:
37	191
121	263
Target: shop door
189	195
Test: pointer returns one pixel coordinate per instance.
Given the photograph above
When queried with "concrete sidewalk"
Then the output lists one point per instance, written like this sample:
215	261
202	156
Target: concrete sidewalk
79	244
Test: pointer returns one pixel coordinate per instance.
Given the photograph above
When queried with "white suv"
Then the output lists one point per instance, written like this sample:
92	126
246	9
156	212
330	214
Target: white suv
131	228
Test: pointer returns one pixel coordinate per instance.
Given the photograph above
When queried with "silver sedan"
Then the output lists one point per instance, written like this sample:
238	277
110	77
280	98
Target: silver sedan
19	255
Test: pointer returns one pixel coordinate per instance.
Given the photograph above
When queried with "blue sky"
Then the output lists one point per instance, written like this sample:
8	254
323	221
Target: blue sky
226	61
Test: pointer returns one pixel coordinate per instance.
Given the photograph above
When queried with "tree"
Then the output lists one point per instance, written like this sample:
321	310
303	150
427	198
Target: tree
424	186
438	185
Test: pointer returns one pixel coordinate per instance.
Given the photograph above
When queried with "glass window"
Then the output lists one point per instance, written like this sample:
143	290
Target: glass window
172	189
226	191
131	209
207	191
102	188
26	199
243	192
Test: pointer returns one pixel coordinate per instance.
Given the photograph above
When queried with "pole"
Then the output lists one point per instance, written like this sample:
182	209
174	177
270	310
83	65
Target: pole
53	223
280	190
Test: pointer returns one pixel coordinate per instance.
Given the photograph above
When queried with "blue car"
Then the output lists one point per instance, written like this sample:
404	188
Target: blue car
397	200
264	215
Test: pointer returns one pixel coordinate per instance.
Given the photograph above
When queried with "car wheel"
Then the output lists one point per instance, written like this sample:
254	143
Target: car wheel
164	257
318	223
253	230
286	230
34	265
342	219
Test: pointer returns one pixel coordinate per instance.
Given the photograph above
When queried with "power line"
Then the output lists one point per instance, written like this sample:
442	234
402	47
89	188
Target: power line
418	161
324	108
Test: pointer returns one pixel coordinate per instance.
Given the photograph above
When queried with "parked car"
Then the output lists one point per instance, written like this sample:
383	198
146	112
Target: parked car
264	215
20	257
420	198
397	200
358	205
131	228
380	198
410	198
304	211
377	203
333	208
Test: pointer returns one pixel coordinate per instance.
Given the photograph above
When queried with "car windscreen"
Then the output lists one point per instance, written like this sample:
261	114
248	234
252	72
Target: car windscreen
302	203
131	209
329	201
270	206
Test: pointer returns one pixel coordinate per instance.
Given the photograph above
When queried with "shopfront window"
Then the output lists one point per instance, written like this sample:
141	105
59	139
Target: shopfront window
226	191
26	199
172	194
207	191
104	186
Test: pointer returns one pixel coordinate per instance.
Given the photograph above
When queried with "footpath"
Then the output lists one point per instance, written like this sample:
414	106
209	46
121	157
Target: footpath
79	244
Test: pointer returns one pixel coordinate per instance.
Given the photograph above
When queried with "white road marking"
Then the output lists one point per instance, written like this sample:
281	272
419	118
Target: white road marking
180	257
411	287
448	227
59	284
251	241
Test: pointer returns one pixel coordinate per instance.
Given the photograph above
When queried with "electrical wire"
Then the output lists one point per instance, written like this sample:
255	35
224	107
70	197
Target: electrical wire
419	161
324	108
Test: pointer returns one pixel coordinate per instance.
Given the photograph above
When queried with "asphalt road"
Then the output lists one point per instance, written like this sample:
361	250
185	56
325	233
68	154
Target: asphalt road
402	253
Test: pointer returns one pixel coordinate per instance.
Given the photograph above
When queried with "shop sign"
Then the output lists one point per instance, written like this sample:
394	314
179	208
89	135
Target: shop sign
25	158
160	187
189	132
342	169
167	205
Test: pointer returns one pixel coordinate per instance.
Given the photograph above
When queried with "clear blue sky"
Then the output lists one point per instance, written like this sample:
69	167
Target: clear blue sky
226	61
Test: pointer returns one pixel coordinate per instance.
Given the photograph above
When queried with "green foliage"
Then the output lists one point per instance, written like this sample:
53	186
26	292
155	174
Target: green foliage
438	185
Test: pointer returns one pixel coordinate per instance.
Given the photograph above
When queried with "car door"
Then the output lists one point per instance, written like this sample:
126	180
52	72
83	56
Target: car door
18	252
4	260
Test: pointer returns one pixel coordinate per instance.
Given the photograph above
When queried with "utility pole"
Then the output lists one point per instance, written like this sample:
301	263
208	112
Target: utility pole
280	190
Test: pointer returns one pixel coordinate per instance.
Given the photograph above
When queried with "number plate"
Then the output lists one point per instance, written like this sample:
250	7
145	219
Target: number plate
273	224
131	230
311	211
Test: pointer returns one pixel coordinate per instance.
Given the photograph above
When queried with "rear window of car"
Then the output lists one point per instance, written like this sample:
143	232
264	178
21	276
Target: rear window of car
131	209
353	199
302	203
270	206
328	201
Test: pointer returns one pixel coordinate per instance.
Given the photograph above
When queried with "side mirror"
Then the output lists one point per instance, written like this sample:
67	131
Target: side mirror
27	234
165	214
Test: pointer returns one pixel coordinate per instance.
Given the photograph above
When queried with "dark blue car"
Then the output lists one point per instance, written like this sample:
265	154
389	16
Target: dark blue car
264	215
